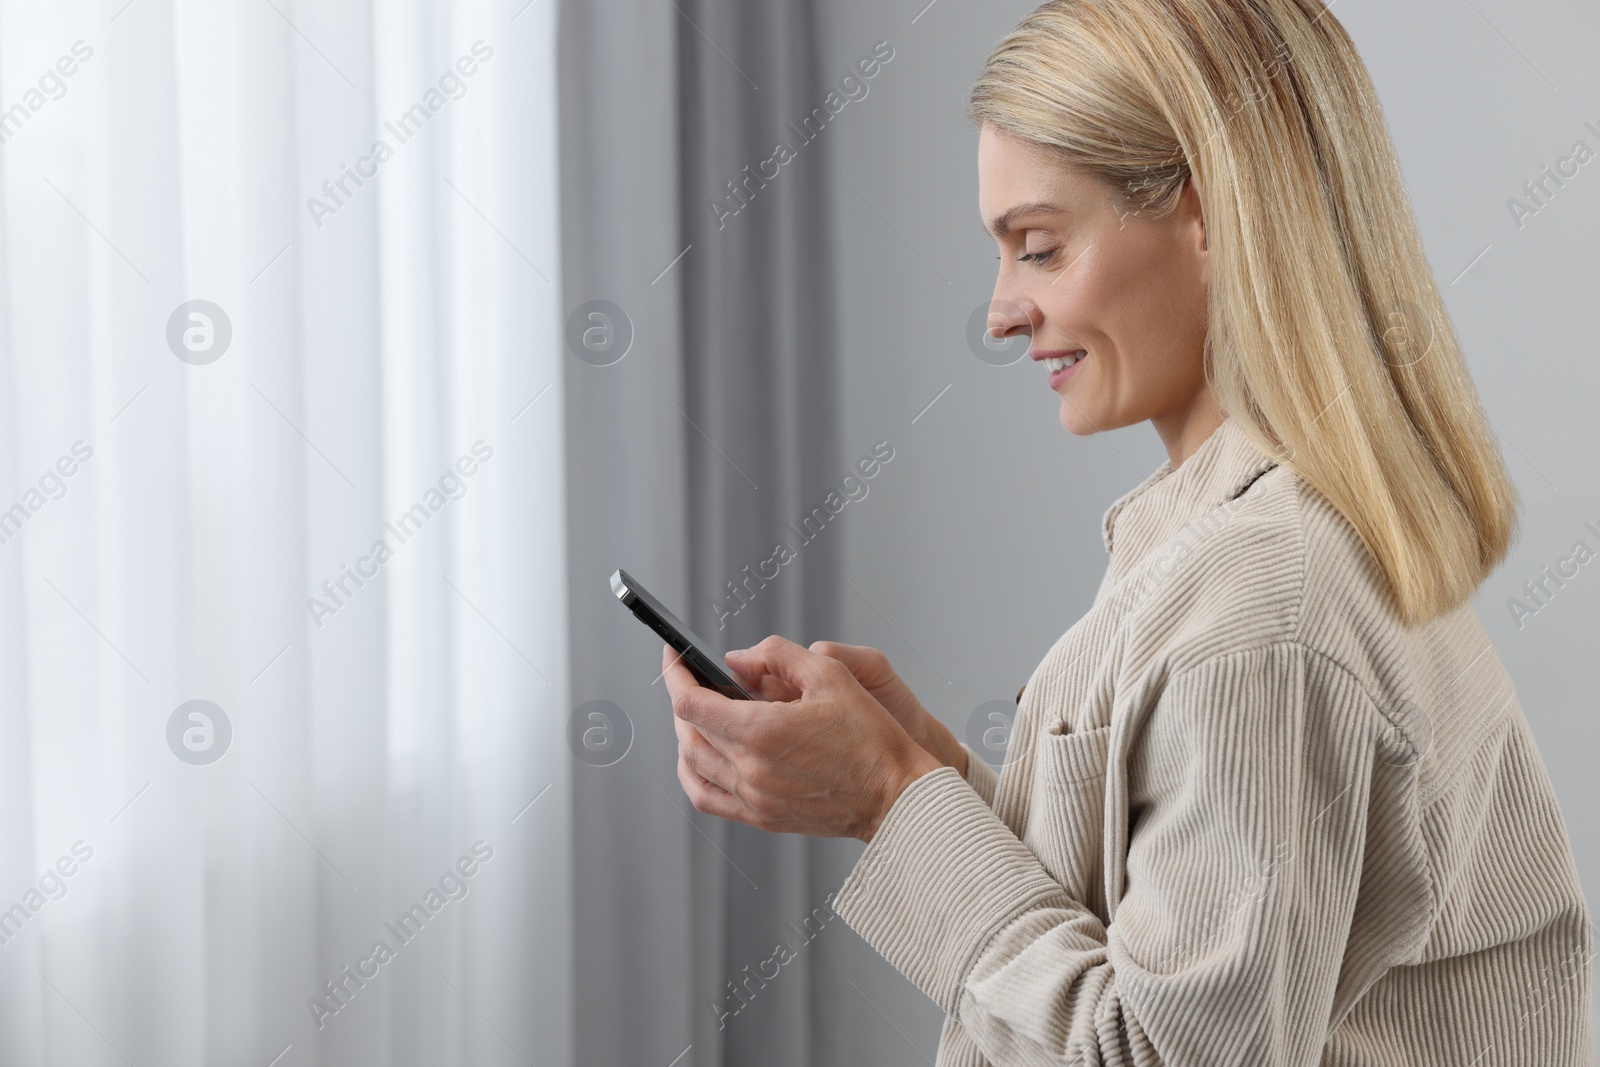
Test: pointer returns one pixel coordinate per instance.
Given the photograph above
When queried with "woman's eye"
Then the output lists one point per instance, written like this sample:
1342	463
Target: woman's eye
1034	257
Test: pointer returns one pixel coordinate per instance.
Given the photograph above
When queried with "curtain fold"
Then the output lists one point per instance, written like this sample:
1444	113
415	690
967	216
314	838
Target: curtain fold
689	458
380	720
761	386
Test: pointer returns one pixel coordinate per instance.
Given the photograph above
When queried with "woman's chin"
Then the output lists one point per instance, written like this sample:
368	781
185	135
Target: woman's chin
1072	417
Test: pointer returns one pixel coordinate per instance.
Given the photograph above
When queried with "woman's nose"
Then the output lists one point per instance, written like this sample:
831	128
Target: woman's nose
1006	316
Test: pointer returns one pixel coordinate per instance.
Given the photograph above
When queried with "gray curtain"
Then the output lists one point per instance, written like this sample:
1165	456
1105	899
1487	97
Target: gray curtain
688	459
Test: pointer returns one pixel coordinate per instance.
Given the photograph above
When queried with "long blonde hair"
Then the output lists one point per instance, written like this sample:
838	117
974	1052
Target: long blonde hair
1328	343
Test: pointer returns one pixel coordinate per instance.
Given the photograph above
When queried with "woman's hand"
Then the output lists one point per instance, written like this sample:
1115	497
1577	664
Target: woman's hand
871	668
828	761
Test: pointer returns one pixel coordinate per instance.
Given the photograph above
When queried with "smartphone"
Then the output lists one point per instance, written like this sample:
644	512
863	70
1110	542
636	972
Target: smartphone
703	663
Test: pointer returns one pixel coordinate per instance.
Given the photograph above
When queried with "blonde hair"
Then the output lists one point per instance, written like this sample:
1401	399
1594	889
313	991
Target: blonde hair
1328	343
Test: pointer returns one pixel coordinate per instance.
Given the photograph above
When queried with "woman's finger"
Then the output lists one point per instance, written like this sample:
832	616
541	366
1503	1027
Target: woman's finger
688	734
868	664
720	718
704	759
761	682
707	796
771	687
800	667
849	655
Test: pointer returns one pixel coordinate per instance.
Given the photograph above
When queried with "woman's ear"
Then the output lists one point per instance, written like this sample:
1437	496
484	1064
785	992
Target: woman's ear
1193	212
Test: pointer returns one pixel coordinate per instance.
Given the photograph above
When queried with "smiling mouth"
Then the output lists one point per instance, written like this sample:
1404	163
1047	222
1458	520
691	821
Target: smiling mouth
1063	366
1056	363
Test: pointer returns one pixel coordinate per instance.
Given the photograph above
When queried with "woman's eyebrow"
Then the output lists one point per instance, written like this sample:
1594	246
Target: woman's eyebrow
1001	224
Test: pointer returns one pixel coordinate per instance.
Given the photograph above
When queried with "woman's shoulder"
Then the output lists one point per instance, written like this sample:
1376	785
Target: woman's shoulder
1236	570
1277	564
1280	571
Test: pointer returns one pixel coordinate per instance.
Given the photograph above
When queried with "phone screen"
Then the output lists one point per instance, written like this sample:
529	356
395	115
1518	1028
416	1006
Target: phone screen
703	663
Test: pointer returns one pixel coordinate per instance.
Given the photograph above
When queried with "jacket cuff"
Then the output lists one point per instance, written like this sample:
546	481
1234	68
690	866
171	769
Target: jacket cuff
941	876
980	776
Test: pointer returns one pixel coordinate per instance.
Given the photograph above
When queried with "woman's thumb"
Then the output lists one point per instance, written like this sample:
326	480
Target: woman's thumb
778	656
866	663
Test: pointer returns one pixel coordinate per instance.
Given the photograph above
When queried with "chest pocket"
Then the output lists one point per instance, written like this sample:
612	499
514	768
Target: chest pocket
1066	810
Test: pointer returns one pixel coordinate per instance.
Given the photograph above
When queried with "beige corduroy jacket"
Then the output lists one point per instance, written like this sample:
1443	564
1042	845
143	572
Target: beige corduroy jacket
1245	817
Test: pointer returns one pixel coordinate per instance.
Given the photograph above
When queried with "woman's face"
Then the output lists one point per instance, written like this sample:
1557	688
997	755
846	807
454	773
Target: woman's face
1082	276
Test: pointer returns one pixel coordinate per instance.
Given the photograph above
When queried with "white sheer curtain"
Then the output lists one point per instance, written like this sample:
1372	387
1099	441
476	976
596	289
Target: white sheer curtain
178	525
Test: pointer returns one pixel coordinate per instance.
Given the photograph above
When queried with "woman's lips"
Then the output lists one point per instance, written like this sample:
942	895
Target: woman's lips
1057	376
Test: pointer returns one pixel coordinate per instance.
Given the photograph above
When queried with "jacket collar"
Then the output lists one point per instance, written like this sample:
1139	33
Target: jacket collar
1150	513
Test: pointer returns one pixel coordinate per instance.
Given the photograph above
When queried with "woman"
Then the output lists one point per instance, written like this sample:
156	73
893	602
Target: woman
1273	799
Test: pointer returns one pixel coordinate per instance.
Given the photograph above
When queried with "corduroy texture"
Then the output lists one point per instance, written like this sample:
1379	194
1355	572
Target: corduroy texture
1246	818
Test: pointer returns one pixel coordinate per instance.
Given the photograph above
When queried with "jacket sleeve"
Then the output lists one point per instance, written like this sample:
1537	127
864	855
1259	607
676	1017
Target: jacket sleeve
1248	786
980	776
